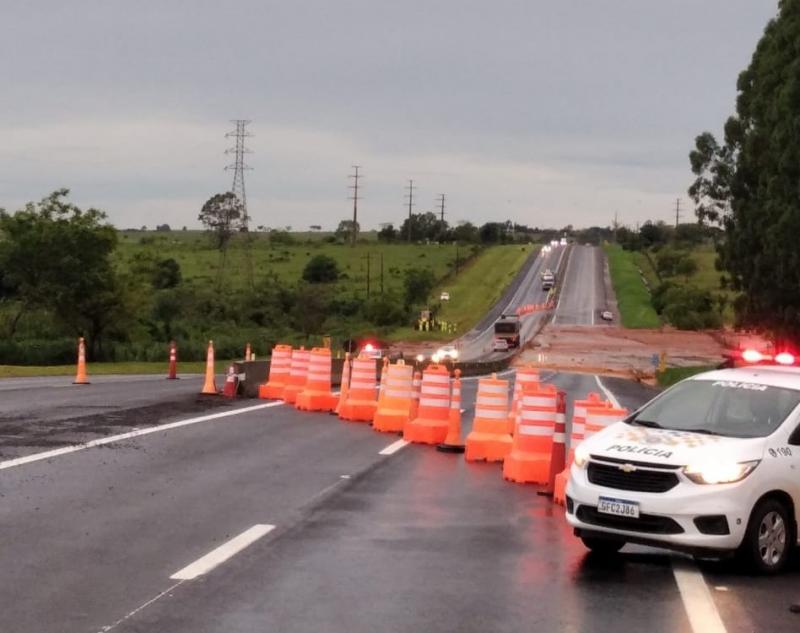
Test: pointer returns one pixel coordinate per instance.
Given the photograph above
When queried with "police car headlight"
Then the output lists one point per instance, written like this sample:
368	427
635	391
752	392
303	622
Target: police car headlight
581	457
719	472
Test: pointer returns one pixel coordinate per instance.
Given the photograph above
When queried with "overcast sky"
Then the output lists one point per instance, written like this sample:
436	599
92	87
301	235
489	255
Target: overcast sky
540	111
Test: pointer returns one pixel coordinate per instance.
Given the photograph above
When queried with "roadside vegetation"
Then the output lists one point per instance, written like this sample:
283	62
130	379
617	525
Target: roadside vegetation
65	272
673	375
633	299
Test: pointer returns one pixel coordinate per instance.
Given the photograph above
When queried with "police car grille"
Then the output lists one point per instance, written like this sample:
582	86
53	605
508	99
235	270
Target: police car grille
649	523
638	480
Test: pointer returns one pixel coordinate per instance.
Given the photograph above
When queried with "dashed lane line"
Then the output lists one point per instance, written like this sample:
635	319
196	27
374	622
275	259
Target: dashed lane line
697	600
394	447
74	448
222	553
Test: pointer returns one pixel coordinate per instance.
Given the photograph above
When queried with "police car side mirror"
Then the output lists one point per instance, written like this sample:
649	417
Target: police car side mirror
794	438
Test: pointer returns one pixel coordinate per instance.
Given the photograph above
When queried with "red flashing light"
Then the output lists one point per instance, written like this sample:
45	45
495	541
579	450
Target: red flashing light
369	347
785	358
752	356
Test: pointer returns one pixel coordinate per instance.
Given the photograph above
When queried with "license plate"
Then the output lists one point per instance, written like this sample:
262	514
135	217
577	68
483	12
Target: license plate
618	507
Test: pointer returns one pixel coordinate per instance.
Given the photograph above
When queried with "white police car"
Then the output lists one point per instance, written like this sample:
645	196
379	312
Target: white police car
710	467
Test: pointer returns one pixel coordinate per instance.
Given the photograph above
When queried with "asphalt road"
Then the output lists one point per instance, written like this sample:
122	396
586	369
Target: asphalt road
477	344
583	295
363	541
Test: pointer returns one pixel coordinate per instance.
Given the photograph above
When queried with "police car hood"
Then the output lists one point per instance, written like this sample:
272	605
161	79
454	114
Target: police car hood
662	446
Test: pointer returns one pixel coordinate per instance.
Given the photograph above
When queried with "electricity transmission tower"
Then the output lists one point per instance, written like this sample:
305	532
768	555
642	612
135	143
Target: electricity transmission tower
440	200
355	176
239	167
677	212
410	205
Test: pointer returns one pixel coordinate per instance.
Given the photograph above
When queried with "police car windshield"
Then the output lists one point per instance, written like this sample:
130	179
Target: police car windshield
720	407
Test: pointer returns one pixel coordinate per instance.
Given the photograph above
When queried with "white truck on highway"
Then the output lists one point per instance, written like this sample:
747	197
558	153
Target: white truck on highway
548	279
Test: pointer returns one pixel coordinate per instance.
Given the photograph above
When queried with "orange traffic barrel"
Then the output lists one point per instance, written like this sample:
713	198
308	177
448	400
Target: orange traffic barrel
416	386
279	365
559	449
344	384
529	459
394	403
524	376
316	395
81	376
361	402
452	443
433	418
489	438
579	408
600	417
298	372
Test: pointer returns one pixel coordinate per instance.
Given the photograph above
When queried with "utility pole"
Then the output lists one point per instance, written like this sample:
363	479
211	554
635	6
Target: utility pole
355	176
410	197
367	256
616	226
677	212
381	272
441	207
239	167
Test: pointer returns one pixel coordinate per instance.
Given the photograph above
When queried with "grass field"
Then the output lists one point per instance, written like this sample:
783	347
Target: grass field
199	261
672	375
476	288
632	297
107	369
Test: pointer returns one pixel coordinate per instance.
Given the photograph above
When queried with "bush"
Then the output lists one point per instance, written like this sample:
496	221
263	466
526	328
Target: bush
690	308
321	269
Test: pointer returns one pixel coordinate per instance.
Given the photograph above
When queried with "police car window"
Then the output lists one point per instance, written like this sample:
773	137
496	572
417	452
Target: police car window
726	408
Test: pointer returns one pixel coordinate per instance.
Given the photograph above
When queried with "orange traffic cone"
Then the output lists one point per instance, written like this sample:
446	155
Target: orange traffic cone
529	459
524	376
210	385
344	384
81	376
416	385
579	408
279	364
297	374
316	395
432	423
452	443
558	451
489	438
231	383
248	354
173	362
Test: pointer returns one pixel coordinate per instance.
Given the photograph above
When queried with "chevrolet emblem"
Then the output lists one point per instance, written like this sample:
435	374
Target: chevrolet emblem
627	468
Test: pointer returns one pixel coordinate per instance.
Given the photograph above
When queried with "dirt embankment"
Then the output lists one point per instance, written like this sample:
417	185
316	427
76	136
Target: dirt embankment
617	351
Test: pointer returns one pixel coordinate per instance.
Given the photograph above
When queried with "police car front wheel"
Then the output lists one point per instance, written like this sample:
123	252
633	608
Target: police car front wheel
768	541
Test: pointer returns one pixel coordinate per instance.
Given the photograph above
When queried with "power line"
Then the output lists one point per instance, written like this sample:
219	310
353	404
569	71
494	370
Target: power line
355	176
410	197
237	187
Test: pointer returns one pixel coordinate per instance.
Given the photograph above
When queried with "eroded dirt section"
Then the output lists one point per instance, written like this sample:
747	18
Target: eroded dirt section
618	351
23	435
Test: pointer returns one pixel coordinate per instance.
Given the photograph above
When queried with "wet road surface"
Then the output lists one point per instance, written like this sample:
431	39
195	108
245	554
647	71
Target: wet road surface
365	539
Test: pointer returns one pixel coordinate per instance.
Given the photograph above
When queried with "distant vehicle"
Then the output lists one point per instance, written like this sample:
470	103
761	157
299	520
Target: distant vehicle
507	327
563	241
499	345
372	350
445	296
606	315
548	279
546	248
446	352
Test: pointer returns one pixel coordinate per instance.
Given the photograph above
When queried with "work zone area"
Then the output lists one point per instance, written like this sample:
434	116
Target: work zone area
332	510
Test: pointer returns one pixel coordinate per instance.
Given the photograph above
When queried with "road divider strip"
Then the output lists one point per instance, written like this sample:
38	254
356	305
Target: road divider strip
222	553
697	599
394	447
66	450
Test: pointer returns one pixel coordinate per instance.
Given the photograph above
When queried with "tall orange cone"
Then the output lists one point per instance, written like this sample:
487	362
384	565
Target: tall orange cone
558	451
173	362
81	376
416	385
452	443
210	385
344	385
248	354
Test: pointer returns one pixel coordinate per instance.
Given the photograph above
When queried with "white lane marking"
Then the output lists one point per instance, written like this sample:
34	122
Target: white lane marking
394	447
170	589
225	551
611	397
500	373
697	600
561	293
66	450
594	286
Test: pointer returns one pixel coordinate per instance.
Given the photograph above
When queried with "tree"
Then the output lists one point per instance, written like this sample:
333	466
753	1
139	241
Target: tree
423	226
465	232
653	234
749	183
686	267
58	257
345	230
163	227
167	274
418	284
492	232
221	215
321	269
387	233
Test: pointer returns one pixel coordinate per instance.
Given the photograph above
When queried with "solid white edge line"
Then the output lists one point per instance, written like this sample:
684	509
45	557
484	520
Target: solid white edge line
222	553
611	397
697	600
394	447
66	450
